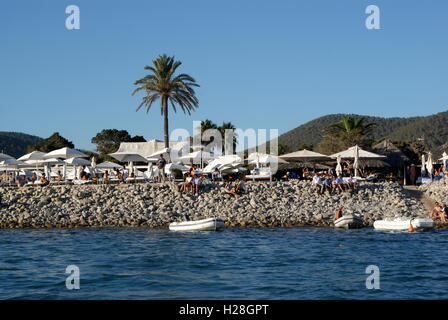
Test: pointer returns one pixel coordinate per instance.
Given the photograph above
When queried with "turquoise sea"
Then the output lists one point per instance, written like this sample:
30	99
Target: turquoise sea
282	263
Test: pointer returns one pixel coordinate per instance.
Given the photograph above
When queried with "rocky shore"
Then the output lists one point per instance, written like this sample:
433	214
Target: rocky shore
267	204
437	191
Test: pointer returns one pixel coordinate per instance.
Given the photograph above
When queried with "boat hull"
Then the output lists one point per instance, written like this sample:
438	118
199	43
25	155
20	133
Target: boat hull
419	224
210	224
349	222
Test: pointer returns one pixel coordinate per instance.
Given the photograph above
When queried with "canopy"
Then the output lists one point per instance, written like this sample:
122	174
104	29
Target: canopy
223	162
35	155
304	155
128	157
108	165
395	157
78	162
65	153
262	158
198	156
11	163
351	153
173	166
5	156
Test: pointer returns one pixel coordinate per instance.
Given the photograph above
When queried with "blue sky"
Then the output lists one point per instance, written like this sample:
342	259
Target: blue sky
260	64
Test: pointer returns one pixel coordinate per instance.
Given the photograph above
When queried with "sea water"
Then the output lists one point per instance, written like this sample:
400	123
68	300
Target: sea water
280	263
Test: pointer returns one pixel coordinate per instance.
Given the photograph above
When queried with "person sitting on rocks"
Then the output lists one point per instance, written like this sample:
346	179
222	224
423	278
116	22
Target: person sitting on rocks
106	175
43	180
352	183
237	188
33	178
328	184
59	177
338	213
338	184
439	212
187	183
197	182
317	182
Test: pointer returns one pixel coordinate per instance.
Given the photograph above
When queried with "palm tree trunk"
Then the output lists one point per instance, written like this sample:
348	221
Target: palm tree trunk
165	121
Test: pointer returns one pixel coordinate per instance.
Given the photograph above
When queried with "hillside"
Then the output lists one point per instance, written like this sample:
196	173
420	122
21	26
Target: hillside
15	143
433	129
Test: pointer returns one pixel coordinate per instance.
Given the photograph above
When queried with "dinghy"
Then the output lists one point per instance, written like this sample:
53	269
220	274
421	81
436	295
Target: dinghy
210	224
349	222
418	224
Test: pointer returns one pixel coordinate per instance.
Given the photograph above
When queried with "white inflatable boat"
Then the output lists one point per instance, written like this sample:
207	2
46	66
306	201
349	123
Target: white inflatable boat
349	222
419	224
210	224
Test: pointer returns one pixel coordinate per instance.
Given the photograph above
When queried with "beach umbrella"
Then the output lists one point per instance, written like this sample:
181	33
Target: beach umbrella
131	167
262	158
423	166
338	166
429	165
77	162
304	156
5	156
65	153
108	165
171	154
444	159
35	155
356	161
197	157
227	161
351	153
128	157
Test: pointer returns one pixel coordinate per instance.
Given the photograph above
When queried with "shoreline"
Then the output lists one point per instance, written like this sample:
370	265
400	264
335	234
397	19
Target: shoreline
267	204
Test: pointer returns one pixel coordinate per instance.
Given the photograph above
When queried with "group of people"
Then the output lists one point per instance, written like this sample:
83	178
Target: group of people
440	212
192	181
235	185
331	184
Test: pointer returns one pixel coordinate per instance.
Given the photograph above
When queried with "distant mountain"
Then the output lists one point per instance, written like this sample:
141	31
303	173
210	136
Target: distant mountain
15	143
431	130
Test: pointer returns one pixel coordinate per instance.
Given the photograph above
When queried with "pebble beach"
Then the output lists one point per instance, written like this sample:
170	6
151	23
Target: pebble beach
266	204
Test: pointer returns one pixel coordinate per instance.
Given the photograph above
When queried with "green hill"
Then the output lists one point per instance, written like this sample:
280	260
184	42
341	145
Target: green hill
431	130
15	143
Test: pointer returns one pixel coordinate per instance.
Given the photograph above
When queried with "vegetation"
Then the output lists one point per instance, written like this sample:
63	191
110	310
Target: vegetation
108	140
345	133
208	124
171	89
53	142
429	132
16	144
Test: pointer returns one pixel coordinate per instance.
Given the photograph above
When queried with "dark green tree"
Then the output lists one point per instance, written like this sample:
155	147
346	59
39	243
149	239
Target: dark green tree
108	140
171	89
53	142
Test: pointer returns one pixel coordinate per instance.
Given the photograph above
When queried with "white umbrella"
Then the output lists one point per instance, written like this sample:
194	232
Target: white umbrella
423	166
65	153
262	158
227	161
339	166
198	157
128	157
35	155
356	161
362	154
305	156
444	159
108	165
77	162
429	165
170	152
5	156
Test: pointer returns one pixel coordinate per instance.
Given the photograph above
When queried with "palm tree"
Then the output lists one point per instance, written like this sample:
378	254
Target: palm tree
172	89
228	126
351	124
